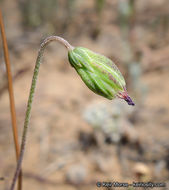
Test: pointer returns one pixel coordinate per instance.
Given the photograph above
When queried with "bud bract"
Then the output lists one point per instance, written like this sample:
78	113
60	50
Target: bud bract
99	73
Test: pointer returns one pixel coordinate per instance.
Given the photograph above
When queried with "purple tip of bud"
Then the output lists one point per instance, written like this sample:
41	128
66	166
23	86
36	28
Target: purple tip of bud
126	97
129	100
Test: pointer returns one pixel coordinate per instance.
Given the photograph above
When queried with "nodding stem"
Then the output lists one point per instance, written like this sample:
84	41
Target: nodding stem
30	99
58	39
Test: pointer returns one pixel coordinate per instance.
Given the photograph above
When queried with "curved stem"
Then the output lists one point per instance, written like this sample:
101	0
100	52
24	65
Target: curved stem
30	99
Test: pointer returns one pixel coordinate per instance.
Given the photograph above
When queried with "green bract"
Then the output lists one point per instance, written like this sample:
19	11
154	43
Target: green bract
99	73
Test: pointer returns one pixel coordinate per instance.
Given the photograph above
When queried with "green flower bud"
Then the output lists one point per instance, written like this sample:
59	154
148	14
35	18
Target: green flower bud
99	73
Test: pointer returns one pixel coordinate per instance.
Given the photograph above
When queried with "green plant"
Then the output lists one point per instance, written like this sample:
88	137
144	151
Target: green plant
99	5
98	72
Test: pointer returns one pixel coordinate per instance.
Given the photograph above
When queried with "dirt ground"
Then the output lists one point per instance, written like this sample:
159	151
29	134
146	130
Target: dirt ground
63	150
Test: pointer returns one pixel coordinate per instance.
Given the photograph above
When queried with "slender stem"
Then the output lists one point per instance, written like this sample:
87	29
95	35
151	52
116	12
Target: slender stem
30	99
11	96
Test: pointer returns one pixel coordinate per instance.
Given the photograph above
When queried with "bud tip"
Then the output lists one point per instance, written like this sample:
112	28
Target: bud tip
126	97
129	101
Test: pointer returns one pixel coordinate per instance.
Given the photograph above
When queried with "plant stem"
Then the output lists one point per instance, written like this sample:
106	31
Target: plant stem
30	99
11	96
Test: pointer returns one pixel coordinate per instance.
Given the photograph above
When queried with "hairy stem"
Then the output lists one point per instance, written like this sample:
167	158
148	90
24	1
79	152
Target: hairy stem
30	99
11	96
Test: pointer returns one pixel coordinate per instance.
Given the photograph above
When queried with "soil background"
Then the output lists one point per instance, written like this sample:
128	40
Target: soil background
64	150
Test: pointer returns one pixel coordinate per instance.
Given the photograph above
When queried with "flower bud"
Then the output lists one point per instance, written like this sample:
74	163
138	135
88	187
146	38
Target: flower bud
99	73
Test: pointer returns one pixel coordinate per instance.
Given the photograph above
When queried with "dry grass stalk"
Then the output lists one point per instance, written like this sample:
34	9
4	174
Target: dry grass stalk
11	96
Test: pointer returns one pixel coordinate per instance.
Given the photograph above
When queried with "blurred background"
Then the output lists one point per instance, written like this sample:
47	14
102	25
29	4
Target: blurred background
77	137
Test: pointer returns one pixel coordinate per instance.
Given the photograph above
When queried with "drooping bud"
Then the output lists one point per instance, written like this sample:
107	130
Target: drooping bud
99	73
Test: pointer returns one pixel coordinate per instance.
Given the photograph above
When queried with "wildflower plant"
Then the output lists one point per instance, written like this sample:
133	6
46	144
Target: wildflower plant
98	72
